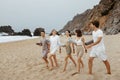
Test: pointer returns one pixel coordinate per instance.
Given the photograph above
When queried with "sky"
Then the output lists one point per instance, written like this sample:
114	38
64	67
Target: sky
48	14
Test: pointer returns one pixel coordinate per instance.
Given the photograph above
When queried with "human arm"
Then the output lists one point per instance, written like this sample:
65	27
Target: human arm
99	38
95	43
39	44
73	48
89	42
83	40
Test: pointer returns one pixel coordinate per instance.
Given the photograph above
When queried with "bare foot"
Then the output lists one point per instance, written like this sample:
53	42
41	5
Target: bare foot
56	67
51	68
75	73
47	66
109	73
62	71
90	73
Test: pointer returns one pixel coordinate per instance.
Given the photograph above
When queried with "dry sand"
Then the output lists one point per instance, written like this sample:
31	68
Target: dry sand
22	60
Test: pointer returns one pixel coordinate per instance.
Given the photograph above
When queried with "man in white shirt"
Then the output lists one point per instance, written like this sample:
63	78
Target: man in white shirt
98	48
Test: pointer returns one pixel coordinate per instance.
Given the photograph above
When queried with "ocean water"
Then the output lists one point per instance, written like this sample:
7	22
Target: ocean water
4	39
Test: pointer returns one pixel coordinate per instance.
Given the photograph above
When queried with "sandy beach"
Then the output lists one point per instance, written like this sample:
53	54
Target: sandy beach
21	60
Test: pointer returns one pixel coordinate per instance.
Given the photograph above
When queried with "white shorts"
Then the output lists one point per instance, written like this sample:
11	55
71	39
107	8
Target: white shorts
44	53
100	53
53	51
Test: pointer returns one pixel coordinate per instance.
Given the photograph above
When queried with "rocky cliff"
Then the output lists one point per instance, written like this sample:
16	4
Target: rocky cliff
107	12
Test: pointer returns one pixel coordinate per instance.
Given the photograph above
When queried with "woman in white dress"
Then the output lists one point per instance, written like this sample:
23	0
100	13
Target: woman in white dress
54	45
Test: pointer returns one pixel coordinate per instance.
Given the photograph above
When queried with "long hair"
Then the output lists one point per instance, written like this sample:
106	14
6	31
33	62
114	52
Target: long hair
79	33
56	32
69	32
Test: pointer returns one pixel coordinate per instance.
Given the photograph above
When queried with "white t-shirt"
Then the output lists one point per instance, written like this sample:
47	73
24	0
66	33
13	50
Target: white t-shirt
54	43
96	35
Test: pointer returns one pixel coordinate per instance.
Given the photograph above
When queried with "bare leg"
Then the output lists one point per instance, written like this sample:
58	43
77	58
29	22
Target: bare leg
51	61
78	67
82	63
72	60
107	66
46	61
90	64
55	60
66	62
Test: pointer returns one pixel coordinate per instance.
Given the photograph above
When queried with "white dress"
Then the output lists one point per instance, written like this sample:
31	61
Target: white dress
54	44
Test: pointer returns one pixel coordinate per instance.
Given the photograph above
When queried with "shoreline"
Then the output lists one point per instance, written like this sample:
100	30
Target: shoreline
7	39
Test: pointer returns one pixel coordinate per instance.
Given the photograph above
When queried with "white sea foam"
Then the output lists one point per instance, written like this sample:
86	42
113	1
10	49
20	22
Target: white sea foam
4	39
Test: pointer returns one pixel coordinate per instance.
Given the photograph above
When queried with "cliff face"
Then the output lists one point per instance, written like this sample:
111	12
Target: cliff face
107	12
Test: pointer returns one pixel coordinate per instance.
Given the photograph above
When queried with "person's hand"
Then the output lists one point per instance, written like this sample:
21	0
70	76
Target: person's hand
89	46
85	50
40	44
60	50
73	50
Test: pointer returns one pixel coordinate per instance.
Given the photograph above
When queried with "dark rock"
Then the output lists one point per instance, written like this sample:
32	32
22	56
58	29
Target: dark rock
37	31
18	33
26	32
7	29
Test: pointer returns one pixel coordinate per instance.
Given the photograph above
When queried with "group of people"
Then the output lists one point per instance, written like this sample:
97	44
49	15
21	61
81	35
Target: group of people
76	46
